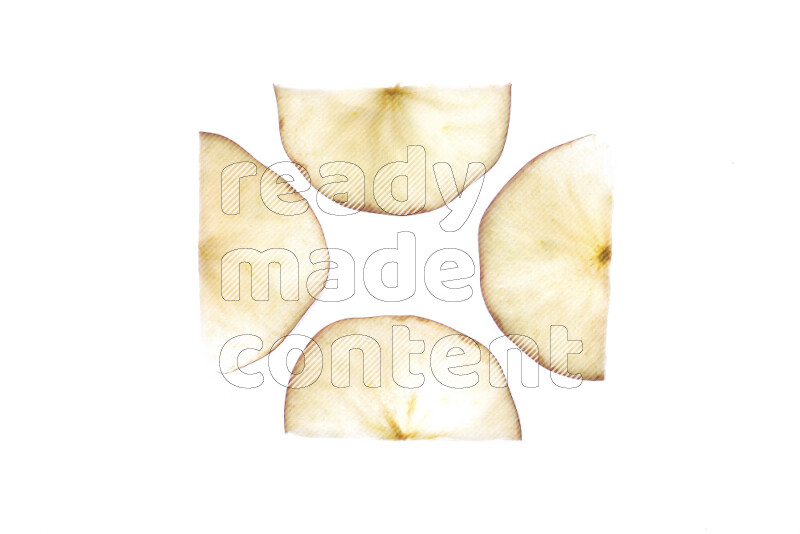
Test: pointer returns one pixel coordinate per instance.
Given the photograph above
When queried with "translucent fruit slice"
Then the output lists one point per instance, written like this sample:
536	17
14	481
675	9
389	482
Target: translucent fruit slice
369	142
438	383
545	251
256	237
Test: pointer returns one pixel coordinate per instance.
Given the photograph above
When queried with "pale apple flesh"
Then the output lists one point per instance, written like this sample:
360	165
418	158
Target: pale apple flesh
236	224
545	252
355	134
378	397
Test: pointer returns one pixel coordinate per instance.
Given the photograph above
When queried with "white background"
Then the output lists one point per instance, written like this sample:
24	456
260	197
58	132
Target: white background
113	421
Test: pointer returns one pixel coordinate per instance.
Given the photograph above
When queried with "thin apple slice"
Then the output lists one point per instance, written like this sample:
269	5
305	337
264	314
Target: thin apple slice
545	251
246	209
358	133
417	392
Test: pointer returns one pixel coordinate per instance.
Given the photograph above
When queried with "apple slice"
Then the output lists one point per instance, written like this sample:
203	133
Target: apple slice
438	383
545	250
251	218
370	141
